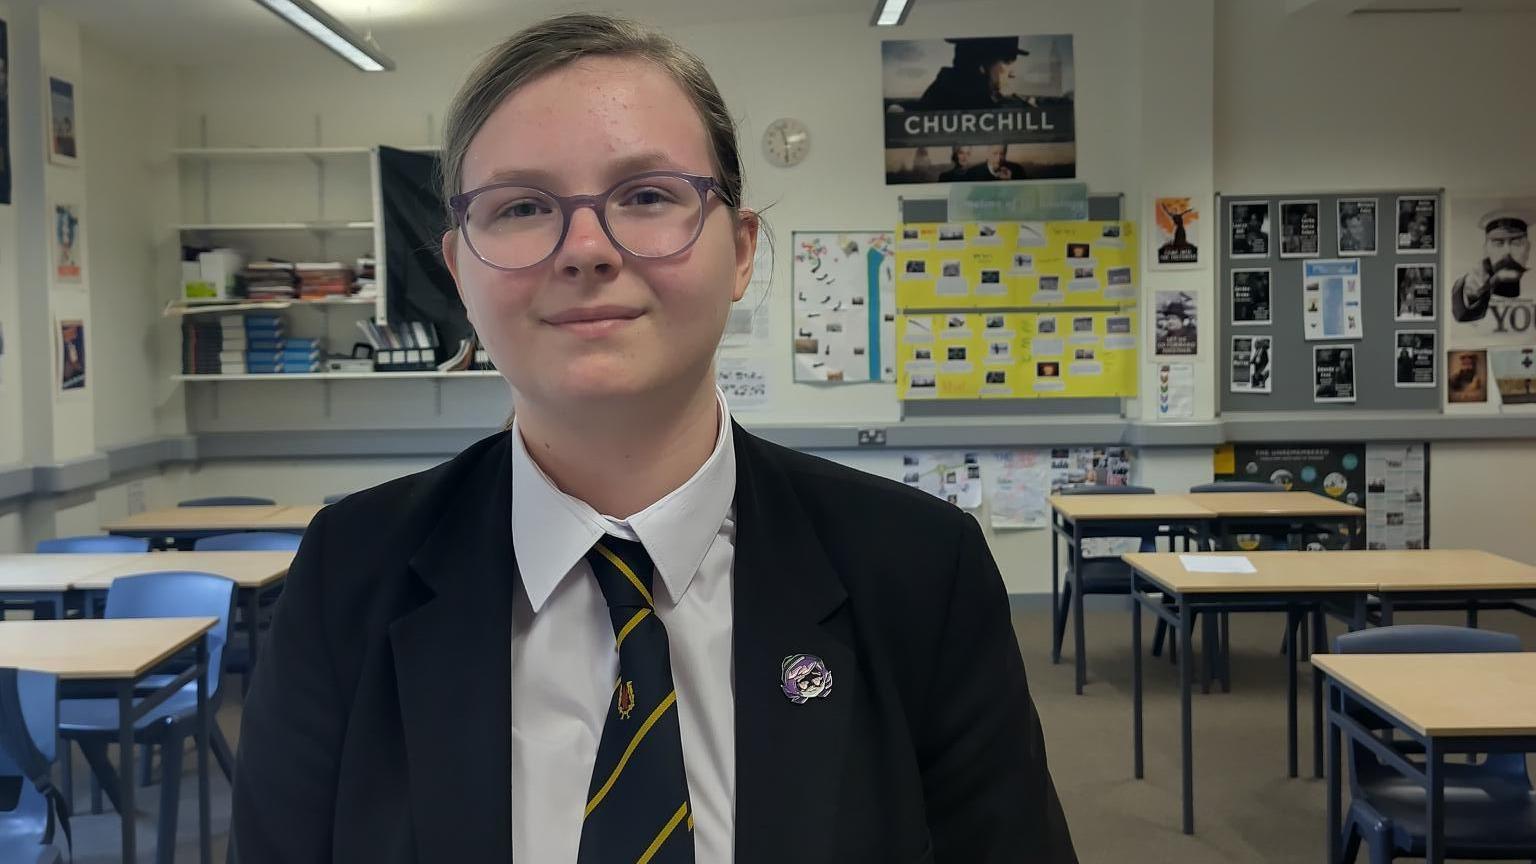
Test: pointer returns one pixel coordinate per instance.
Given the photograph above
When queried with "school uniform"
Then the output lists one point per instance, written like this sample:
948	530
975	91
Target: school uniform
441	681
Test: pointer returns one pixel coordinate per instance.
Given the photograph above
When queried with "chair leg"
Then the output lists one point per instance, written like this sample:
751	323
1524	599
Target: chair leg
222	752
147	765
1351	842
1158	636
67	773
103	776
1062	613
171	751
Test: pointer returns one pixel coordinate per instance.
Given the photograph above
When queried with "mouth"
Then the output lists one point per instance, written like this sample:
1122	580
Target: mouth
594	320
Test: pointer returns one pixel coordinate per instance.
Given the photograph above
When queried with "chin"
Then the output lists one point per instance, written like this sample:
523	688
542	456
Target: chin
600	378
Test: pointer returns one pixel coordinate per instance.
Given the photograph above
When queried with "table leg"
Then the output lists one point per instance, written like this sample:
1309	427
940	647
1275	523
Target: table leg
253	626
1434	824
1079	644
1335	787
1319	646
1386	610
1225	641
1290	691
1136	733
204	730
126	787
1186	731
1472	613
1208	651
1057	620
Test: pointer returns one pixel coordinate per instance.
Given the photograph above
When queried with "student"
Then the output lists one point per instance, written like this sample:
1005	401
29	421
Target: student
812	664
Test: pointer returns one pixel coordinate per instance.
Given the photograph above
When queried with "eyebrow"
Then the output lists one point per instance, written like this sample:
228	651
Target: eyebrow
636	163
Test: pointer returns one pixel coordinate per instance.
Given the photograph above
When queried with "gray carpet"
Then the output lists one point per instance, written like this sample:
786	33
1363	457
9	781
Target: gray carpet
1246	809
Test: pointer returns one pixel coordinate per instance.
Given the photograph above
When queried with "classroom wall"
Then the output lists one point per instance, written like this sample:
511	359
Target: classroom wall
1322	102
10	361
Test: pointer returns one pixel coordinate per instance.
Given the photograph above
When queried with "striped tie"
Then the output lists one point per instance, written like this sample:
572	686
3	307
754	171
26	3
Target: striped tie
637	806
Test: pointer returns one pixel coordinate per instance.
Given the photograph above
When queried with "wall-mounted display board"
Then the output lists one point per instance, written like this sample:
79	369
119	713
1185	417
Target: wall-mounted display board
1331	301
1016	355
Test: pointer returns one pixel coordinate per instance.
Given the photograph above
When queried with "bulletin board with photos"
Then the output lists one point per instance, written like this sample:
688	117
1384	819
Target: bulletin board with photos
1331	301
1016	310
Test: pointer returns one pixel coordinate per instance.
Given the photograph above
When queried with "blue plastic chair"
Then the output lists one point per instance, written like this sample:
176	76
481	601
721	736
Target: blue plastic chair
227	501
237	660
1490	805
1108	575
94	544
29	705
249	541
92	723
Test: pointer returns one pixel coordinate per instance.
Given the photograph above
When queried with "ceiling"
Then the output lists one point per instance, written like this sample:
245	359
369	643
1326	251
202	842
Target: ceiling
195	32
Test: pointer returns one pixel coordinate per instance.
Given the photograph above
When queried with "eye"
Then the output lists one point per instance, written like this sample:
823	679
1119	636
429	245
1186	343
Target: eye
647	196
523	208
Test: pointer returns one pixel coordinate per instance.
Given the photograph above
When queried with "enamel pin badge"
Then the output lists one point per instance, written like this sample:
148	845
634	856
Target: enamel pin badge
626	699
805	677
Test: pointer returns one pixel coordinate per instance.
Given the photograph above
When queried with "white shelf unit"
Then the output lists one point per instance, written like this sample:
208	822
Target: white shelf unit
337	376
227	227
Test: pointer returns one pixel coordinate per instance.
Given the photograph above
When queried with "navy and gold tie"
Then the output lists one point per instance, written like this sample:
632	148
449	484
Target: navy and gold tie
637	805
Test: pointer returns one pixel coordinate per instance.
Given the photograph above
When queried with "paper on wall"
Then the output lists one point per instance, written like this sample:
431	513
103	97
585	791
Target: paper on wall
952	476
1020	481
744	380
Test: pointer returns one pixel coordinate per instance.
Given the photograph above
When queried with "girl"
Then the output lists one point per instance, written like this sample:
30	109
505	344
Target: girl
625	629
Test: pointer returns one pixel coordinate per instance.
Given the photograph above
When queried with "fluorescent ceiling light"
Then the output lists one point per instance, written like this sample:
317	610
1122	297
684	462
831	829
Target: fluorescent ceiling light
331	33
890	13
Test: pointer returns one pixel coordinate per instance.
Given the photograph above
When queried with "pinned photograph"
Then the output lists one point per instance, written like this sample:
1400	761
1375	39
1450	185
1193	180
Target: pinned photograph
1466	376
1048	370
71	355
1250	297
63	125
1333	373
1248	229
1300	229
1178	325
1357	226
1046	325
1078	251
1417	224
1514	372
996	377
1251	364
66	243
1415	292
1416	355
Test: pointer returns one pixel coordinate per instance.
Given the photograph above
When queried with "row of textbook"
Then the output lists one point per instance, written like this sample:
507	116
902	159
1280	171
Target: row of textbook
252	344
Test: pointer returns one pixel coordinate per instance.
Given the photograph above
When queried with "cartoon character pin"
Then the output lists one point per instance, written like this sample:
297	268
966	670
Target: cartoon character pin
626	699
805	677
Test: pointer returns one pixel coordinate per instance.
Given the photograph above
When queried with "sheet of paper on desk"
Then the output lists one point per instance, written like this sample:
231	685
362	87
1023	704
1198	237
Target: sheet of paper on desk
1217	564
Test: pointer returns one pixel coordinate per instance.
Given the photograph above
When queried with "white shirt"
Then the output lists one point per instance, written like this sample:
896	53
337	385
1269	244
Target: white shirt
564	661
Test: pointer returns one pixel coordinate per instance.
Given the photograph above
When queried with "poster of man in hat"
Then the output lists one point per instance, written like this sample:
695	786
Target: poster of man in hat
979	109
1495	278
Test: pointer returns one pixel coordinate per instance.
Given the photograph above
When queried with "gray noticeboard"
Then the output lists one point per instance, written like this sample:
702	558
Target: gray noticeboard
1291	379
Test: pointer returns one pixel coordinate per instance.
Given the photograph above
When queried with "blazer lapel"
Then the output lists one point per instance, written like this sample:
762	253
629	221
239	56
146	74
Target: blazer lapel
453	668
788	600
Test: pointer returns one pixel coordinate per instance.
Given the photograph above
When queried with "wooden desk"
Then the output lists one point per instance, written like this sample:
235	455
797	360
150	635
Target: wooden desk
187	524
294	518
46	580
248	570
1449	703
1283	505
122	652
1074	517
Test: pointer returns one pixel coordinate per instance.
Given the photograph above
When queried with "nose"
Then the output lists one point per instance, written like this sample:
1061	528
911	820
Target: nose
587	248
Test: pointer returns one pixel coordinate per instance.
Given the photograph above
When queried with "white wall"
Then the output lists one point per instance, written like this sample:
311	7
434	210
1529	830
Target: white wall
1314	102
10	365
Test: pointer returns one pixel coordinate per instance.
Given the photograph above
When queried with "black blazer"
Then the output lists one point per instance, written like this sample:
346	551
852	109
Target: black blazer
378	728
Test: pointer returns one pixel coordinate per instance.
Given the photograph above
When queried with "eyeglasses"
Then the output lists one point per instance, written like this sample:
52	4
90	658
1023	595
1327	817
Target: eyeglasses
657	214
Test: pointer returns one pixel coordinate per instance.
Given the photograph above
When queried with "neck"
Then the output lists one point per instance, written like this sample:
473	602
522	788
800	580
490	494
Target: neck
622	457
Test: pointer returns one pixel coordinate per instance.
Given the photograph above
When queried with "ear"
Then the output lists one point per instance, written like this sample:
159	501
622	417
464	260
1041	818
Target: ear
451	259
747	224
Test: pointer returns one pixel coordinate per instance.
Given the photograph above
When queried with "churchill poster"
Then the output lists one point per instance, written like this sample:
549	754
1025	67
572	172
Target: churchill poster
983	109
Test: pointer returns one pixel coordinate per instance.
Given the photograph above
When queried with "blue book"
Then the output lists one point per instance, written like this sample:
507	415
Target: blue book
263	344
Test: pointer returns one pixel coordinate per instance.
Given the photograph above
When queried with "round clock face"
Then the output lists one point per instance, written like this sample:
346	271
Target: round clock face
786	142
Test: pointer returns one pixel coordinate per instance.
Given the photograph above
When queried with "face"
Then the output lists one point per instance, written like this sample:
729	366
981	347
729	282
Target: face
1000	77
1356	228
995	155
1503	247
592	324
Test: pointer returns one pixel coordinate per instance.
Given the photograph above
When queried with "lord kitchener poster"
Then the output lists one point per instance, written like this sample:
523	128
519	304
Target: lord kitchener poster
978	110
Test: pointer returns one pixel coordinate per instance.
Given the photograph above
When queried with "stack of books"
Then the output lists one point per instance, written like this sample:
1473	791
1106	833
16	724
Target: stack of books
266	340
213	345
269	280
325	279
401	346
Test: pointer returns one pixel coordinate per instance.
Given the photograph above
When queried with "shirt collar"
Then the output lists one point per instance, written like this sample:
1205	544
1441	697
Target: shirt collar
551	530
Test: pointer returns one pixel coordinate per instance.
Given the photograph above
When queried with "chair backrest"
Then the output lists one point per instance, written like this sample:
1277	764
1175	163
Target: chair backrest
1097	529
97	543
179	595
227	501
1101	489
1430	639
249	541
1236	486
332	499
29	722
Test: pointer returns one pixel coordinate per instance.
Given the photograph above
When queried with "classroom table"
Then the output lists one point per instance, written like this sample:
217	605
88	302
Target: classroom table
1447	703
1285	581
46	580
184	525
1457	579
122	652
1070	514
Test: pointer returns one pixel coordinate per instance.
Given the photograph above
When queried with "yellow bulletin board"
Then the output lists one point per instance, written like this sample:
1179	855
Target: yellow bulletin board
1001	265
1070	326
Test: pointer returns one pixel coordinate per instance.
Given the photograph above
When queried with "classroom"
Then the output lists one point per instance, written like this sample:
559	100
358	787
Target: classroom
659	431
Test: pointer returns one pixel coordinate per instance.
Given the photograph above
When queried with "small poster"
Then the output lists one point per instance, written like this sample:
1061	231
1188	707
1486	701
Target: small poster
66	243
1250	296
1357	226
1249	229
1466	376
63	146
1416	355
1252	364
1175	391
1299	237
845	306
743	380
1330	299
1395	506
1415	292
71	355
1020	481
954	477
1492	283
1417	224
1337	470
1177	233
1514	371
1333	373
1178	326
